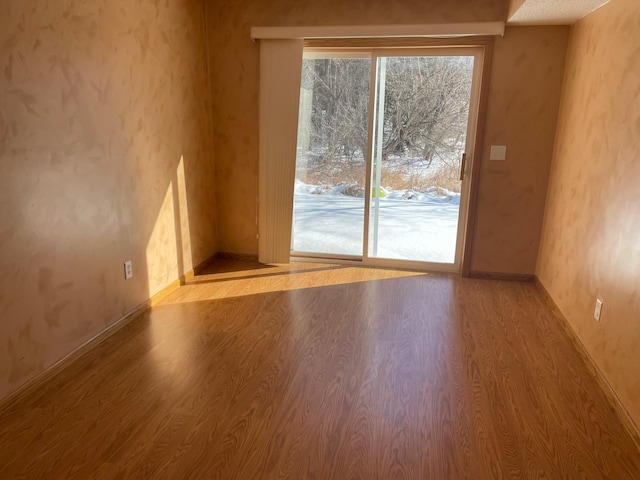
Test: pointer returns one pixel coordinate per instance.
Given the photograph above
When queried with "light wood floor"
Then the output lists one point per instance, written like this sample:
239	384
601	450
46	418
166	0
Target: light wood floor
326	373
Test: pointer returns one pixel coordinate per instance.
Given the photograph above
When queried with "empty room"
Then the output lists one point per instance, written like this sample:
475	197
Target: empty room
335	240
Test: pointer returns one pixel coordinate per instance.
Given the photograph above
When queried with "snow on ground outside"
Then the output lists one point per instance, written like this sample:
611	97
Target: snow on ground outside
412	225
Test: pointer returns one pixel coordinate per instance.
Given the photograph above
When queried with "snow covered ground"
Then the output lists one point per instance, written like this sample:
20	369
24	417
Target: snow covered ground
412	225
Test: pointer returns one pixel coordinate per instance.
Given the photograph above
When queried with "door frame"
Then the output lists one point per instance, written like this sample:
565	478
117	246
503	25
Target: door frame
466	223
472	121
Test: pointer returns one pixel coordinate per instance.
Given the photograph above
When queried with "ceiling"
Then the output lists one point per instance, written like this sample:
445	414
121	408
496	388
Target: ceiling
553	12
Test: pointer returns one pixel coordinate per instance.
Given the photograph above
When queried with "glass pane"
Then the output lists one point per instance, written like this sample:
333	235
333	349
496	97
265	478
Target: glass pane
422	105
328	212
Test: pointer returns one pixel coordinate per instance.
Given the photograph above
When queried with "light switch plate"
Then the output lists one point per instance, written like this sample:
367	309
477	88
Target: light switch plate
498	152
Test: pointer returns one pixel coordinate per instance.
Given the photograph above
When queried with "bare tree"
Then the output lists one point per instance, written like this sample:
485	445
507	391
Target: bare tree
426	108
340	106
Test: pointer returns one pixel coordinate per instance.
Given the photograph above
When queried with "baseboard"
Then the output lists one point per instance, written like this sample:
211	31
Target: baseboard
246	257
48	373
515	277
621	411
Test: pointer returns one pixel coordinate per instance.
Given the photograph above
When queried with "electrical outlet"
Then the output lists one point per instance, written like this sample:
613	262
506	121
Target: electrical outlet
128	270
598	310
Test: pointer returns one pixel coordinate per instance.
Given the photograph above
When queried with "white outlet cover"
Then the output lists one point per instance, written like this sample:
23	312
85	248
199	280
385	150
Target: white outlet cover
498	152
128	270
598	310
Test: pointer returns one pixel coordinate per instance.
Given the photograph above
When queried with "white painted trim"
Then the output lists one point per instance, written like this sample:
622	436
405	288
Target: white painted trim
472	131
377	263
321	54
437	30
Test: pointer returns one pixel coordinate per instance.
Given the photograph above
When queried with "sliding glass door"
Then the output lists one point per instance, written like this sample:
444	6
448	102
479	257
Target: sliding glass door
380	171
420	132
331	159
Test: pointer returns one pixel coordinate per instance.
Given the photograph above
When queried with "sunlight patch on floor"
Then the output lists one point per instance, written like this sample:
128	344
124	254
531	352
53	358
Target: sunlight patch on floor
295	276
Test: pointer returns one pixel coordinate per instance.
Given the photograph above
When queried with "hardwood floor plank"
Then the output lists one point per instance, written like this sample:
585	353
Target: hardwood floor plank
326	372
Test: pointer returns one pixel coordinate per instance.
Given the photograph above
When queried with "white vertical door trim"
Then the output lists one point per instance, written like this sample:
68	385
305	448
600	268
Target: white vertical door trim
373	105
280	76
472	131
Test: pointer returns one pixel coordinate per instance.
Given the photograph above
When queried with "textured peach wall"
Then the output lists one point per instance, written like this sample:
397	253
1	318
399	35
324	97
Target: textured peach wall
105	155
524	98
235	86
591	239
